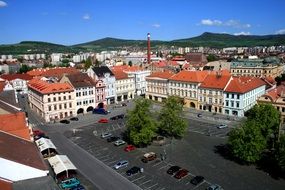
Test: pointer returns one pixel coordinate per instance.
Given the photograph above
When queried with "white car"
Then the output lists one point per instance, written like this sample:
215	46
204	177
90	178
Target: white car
222	126
123	163
119	142
105	135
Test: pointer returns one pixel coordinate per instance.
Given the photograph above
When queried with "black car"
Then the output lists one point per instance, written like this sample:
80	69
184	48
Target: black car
121	116
173	169
199	115
197	179
64	121
74	119
114	118
112	139
133	171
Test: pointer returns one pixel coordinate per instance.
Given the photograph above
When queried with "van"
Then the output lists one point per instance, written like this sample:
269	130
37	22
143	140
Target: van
100	111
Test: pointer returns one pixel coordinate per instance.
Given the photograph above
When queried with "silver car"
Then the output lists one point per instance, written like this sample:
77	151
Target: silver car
222	126
119	142
105	135
121	164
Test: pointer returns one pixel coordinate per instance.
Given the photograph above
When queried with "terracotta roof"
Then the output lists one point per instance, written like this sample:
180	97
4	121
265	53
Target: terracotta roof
53	72
216	80
10	77
2	85
21	151
6	185
79	80
48	88
196	58
190	76
15	124
276	93
244	84
163	75
119	74
160	64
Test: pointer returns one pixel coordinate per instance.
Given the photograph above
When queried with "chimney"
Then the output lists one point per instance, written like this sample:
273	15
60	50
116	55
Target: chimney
148	48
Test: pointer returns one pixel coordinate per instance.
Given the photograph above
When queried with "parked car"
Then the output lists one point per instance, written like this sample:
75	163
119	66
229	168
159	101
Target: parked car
121	116
78	187
69	183
197	179
222	126
121	164
64	121
74	119
214	187
114	118
133	171
100	111
199	115
129	148
38	132
112	138
124	104
119	142
103	120
181	173
105	135
148	157
173	169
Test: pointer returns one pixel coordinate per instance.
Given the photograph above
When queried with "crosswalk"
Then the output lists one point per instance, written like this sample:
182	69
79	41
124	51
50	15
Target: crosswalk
210	131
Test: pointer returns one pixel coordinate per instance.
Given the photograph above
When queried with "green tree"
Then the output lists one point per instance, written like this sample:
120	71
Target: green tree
211	57
24	68
88	63
141	127
130	63
97	63
171	121
268	119
247	143
281	152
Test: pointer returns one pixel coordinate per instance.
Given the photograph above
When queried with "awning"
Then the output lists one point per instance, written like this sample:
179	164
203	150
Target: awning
61	163
44	144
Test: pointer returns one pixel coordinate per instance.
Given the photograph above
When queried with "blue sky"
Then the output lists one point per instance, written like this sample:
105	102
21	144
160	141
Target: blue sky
71	22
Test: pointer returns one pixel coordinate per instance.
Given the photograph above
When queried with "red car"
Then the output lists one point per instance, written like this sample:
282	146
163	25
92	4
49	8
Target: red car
129	148
181	173
38	132
103	120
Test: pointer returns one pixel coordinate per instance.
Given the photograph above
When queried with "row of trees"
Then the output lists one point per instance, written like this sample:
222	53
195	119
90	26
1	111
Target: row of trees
143	124
259	135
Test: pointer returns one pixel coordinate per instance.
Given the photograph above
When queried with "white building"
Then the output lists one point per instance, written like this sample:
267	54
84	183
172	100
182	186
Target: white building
56	57
241	94
125	86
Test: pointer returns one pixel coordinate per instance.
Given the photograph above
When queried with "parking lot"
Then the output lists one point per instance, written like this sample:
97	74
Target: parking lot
154	176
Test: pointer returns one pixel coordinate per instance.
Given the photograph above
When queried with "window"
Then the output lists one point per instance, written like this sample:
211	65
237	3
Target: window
48	99
54	99
59	98
210	100
237	104
69	97
283	109
70	105
232	103
227	103
60	107
237	96
228	95
64	97
233	96
49	108
55	107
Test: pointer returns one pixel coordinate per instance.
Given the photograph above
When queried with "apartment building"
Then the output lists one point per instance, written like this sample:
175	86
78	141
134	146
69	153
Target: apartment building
241	94
125	86
185	85
84	89
210	95
18	82
51	101
158	86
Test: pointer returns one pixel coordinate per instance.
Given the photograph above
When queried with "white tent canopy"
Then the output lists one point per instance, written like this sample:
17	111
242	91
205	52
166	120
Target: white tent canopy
44	144
61	163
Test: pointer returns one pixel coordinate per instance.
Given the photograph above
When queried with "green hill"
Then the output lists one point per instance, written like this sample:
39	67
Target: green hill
206	39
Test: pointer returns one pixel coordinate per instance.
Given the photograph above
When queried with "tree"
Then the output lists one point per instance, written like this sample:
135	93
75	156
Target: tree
24	68
281	152
130	63
141	127
171	122
211	57
247	143
268	119
88	63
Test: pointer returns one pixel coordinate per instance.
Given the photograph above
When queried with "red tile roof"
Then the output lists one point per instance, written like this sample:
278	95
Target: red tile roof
160	64
53	72
216	80
47	88
163	75
10	77
244	84
276	93
15	124
6	185
2	85
190	76
119	74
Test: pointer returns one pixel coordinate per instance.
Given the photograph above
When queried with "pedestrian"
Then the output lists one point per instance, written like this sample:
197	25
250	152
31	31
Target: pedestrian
141	170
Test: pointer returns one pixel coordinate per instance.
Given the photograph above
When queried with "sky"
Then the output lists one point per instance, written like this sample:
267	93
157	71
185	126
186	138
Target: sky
70	22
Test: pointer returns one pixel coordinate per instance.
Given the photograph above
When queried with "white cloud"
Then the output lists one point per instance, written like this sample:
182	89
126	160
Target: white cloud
3	4
156	25
211	22
242	33
229	23
281	31
86	17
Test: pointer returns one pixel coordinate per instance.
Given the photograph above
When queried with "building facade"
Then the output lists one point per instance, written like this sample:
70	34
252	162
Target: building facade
125	86
51	101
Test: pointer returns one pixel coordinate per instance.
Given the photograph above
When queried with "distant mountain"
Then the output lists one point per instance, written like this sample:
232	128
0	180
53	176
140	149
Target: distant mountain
206	39
32	47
